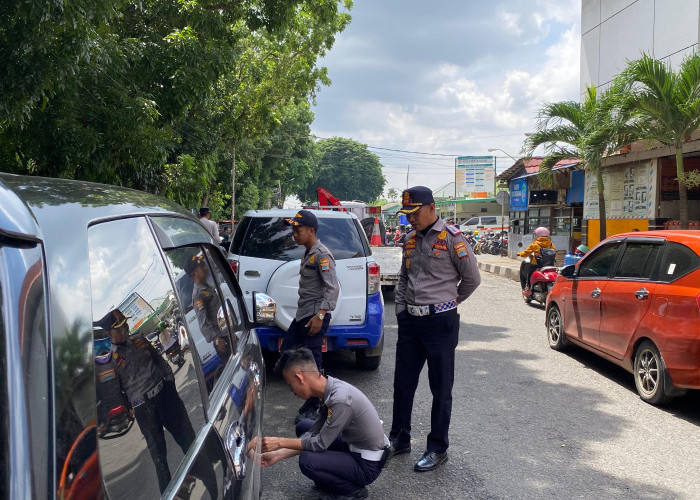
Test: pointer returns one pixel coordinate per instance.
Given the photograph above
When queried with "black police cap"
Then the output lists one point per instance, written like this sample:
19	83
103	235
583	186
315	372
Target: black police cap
414	198
303	218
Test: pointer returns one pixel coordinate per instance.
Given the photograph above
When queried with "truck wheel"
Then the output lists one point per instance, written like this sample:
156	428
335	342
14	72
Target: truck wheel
364	362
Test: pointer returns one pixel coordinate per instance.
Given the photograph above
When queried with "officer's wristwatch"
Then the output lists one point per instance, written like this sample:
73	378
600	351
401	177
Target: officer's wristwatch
320	316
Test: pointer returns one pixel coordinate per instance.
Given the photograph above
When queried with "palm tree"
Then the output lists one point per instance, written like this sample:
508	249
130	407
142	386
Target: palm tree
667	106
588	130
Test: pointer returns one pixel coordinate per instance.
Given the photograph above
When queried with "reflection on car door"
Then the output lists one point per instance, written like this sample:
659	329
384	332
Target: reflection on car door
582	313
627	296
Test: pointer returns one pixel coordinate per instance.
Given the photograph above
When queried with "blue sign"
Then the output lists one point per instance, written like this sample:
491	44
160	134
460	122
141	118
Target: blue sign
518	194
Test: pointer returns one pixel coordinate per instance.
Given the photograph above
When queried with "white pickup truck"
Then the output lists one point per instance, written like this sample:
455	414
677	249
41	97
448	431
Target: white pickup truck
389	260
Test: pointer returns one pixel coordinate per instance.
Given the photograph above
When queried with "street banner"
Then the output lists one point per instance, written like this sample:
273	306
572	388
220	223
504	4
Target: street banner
475	176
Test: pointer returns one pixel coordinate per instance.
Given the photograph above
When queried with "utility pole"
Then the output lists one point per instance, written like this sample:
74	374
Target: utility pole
233	187
408	170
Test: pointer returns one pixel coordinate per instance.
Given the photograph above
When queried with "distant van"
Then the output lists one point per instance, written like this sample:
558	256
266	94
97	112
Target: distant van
484	222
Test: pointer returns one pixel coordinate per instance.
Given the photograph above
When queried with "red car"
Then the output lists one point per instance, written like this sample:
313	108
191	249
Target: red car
635	300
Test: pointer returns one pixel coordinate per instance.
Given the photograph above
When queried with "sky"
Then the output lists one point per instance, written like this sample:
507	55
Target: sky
447	77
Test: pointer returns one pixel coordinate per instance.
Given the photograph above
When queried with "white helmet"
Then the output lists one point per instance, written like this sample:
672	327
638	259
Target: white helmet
541	231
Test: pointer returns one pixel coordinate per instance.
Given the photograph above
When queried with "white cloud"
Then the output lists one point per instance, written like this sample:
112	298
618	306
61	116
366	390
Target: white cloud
478	87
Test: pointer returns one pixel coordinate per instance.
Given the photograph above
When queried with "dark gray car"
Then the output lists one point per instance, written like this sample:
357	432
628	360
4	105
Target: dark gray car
71	253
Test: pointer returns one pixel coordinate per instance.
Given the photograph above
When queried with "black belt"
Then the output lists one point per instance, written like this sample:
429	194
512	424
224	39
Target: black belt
152	393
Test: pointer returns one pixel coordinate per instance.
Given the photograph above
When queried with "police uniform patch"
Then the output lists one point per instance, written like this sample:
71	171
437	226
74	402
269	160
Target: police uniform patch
440	245
408	253
199	304
410	244
325	264
312	259
406	199
436	253
106	375
442	235
330	414
408	264
119	359
454	230
461	249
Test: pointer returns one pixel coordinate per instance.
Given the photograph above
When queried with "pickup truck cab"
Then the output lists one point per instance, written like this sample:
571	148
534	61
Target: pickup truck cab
265	258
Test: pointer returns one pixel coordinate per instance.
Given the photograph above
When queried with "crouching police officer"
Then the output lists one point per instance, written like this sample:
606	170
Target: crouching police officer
318	294
438	271
345	448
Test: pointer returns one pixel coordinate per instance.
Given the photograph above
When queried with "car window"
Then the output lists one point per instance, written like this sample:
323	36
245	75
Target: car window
203	313
160	401
488	220
637	261
270	238
677	261
598	264
472	222
178	232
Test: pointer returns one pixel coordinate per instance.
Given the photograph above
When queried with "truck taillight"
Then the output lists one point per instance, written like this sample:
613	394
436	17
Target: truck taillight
234	266
373	281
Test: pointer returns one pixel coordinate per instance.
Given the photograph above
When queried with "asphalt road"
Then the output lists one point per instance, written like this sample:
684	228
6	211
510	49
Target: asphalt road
527	422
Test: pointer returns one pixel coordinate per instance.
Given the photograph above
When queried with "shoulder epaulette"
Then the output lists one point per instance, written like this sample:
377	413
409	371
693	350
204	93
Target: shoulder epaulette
454	230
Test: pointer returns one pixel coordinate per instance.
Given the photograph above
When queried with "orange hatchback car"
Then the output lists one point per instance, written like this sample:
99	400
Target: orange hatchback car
635	300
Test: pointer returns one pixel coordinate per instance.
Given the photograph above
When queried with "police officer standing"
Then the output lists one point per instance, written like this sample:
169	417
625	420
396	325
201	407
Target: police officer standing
344	449
149	384
438	272
318	293
211	226
206	304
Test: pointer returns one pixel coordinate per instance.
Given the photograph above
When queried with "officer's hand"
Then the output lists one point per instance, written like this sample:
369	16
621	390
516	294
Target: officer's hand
270	458
314	325
270	444
251	446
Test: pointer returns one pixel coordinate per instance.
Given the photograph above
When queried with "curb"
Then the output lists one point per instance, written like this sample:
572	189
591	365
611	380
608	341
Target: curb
506	272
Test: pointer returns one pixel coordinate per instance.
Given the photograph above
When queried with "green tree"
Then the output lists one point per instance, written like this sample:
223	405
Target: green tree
588	131
667	107
347	169
158	94
393	194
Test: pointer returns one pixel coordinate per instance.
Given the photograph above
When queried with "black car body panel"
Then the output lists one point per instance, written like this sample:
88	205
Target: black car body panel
45	289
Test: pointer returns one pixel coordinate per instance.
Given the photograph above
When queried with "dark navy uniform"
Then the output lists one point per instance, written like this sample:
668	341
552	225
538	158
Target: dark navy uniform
344	446
438	272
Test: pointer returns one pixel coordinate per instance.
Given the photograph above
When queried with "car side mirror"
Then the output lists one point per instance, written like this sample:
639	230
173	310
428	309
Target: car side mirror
265	309
568	271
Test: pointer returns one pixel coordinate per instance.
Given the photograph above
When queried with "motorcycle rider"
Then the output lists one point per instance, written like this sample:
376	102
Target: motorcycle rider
542	240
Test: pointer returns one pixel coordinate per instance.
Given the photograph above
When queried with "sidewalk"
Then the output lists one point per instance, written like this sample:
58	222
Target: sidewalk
502	266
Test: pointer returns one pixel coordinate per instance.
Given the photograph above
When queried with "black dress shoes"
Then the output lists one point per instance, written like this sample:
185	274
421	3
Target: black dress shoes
397	447
360	494
430	461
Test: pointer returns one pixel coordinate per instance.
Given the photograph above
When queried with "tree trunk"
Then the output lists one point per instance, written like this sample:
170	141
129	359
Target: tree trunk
205	199
601	203
682	190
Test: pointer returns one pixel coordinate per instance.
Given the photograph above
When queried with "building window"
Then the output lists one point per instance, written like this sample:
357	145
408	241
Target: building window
539	217
561	221
518	221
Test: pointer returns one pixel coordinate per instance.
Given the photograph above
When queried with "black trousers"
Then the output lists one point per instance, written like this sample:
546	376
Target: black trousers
298	335
337	469
167	411
431	338
526	270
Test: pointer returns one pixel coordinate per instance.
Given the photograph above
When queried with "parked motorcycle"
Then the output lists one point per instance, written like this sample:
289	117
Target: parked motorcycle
541	282
114	414
170	344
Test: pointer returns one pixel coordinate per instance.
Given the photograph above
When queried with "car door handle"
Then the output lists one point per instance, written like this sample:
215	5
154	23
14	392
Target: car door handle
236	446
252	273
595	293
642	294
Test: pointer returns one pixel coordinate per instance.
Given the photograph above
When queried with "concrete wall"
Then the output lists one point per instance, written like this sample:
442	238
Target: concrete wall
614	31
